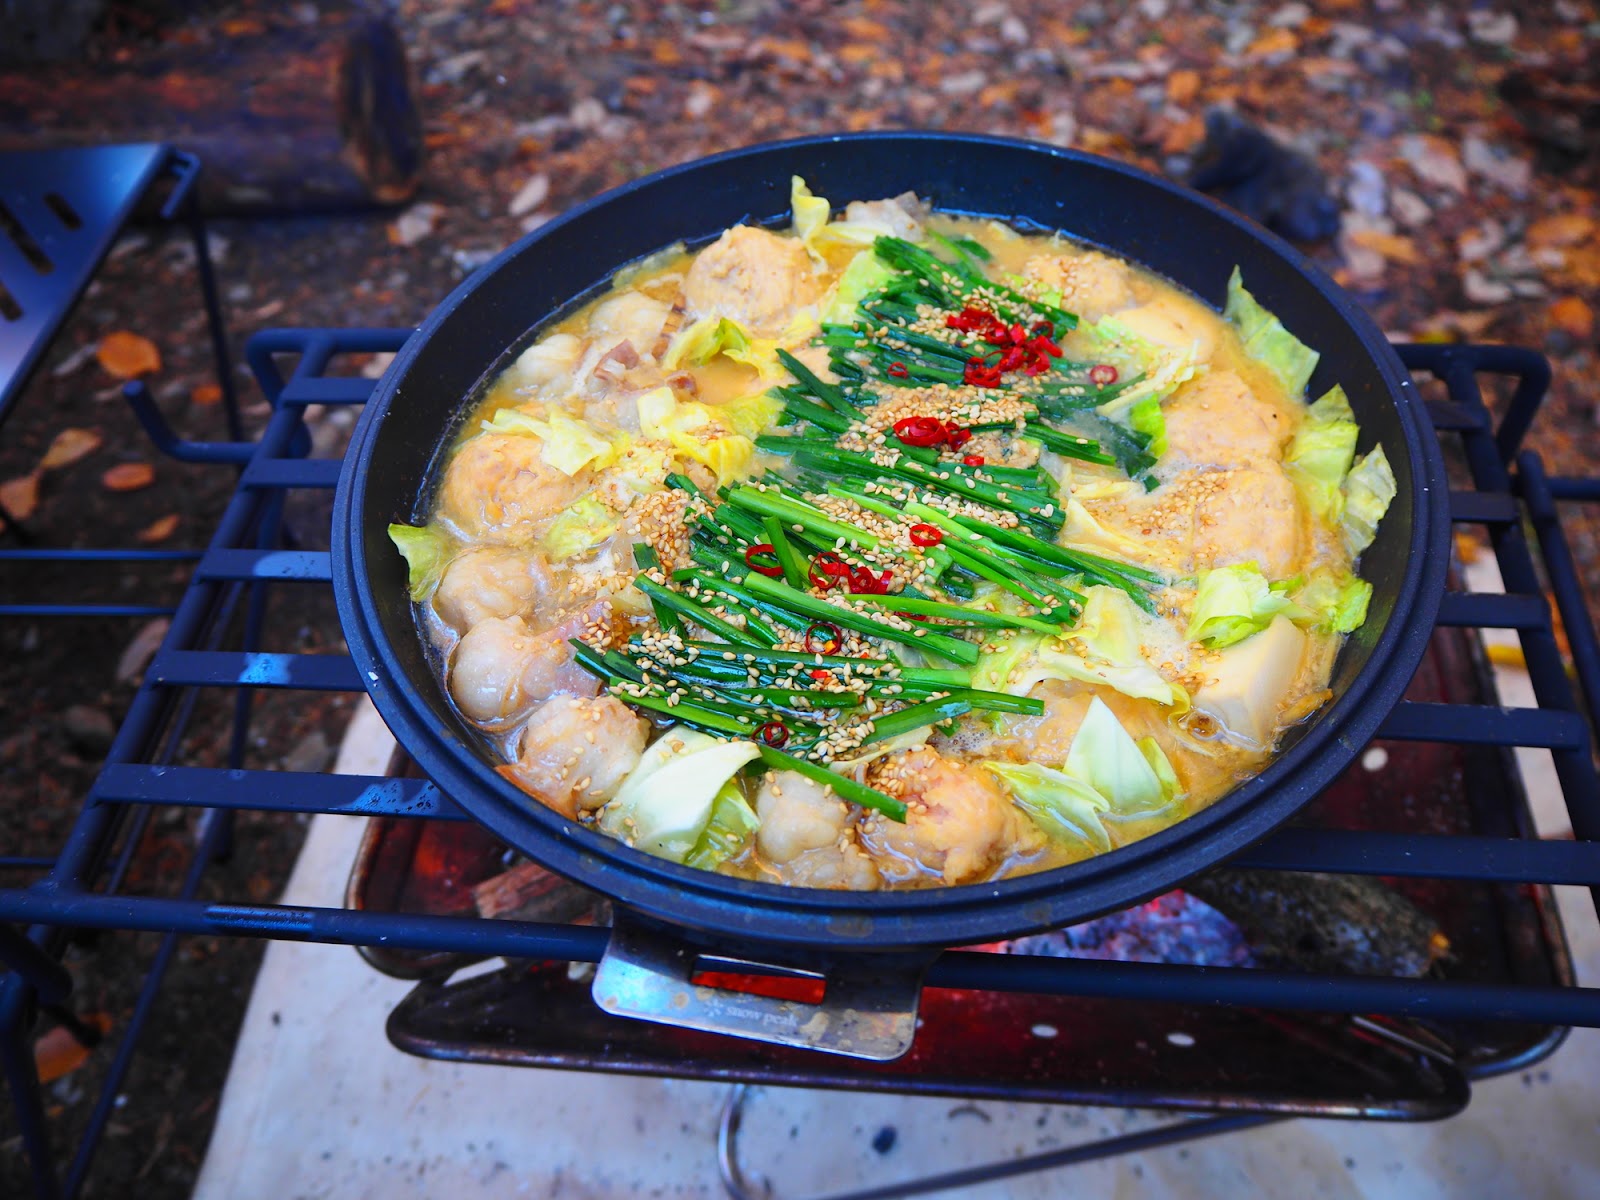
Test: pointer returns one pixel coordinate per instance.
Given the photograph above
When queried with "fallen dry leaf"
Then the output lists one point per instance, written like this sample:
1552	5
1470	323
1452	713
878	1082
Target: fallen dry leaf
1183	136
1393	246
1272	42
136	655
1562	229
128	477
126	355
70	446
1573	315
20	496
57	1053
1183	86
159	530
206	394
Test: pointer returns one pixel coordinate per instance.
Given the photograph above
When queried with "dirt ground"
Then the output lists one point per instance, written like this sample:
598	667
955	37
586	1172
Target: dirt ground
1465	217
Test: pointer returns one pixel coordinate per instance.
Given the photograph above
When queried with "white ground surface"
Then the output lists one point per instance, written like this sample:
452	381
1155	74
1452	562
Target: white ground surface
318	1104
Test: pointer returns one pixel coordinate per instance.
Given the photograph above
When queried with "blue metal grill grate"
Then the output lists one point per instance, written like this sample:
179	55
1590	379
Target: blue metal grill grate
80	889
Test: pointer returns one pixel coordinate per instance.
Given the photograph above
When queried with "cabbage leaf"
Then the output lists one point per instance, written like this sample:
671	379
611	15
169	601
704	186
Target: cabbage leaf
427	551
1062	805
703	434
665	804
579	528
811	212
1319	457
1267	341
1103	648
731	826
1368	489
1147	418
1334	602
866	274
1105	757
1232	603
1157	370
1107	777
567	443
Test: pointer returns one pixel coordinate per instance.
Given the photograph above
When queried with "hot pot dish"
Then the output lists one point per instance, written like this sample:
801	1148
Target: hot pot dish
891	550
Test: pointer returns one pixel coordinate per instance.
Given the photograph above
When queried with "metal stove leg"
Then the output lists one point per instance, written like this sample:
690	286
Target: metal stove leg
734	1183
22	1081
184	202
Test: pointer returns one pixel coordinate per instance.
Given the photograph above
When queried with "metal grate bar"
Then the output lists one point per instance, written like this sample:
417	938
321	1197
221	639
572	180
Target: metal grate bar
1566	488
1237	986
327	389
276	791
1485	610
46	554
1482	725
86	610
309	566
1425	856
1565	581
292	473
1483	508
233	668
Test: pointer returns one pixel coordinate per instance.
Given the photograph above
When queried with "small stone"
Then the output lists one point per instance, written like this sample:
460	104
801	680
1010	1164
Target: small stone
1410	209
1434	160
91	730
1480	289
310	754
1492	28
1366	192
531	196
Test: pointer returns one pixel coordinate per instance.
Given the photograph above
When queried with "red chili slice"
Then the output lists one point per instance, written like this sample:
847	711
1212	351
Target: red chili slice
771	571
1045	329
972	319
774	734
898	370
926	535
1103	374
821	675
919	431
823	637
827	571
864	582
973	460
956	436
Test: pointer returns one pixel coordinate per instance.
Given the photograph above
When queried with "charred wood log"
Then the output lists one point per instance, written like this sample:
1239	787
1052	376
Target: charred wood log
285	118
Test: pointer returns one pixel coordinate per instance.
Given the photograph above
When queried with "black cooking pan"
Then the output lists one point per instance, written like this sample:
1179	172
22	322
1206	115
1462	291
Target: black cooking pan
436	379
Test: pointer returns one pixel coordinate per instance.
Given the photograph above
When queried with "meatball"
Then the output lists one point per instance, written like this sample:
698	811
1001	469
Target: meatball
1048	737
576	751
502	668
1091	284
1175	323
630	317
959	824
498	488
1216	421
491	581
547	366
1253	517
753	277
808	835
901	215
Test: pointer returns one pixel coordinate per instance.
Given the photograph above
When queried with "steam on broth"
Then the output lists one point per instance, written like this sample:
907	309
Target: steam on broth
894	549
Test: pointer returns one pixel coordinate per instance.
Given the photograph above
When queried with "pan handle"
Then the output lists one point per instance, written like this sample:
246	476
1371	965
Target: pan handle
868	1008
